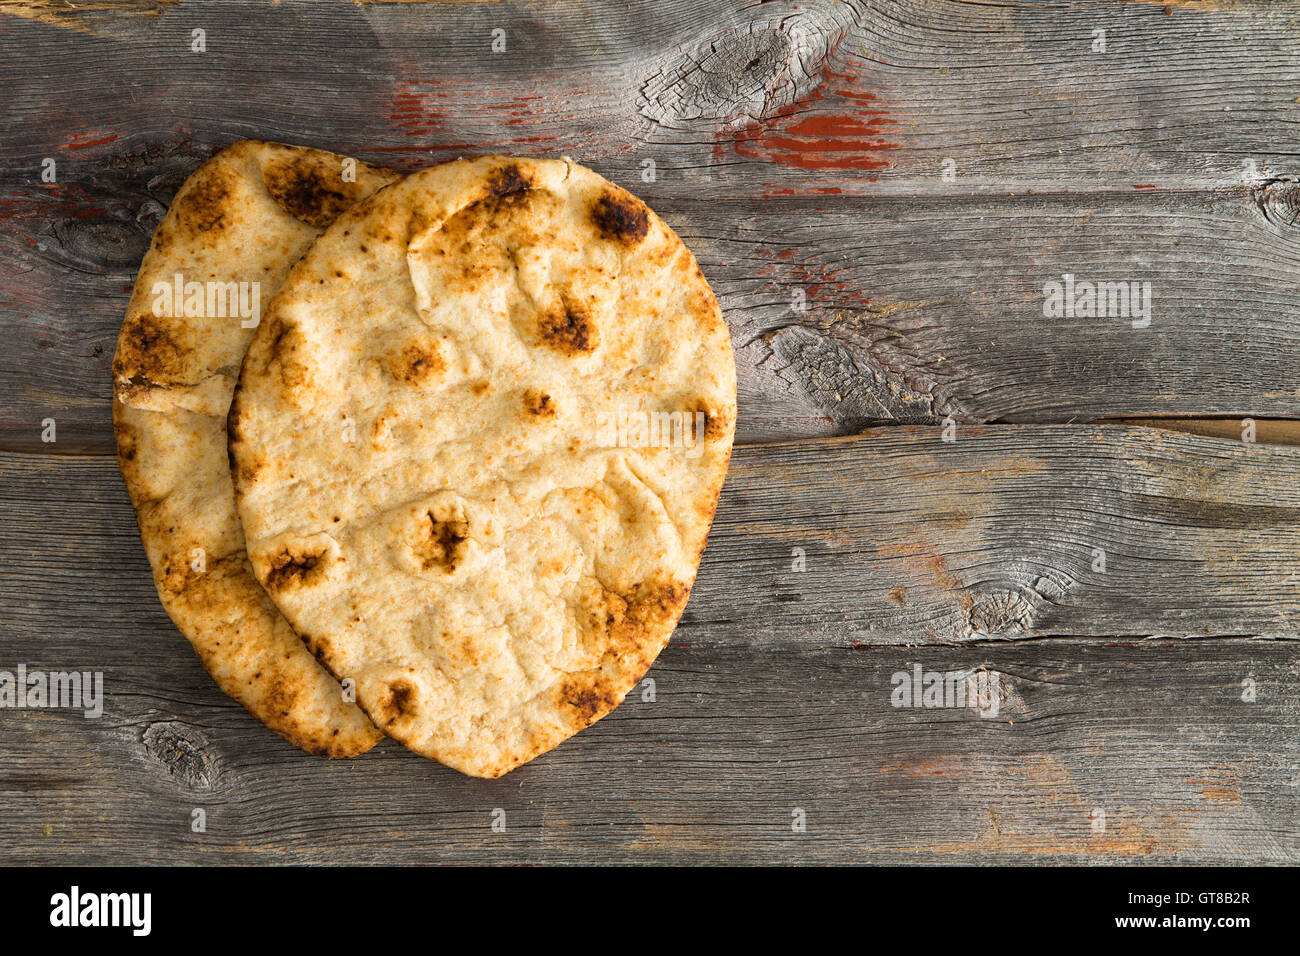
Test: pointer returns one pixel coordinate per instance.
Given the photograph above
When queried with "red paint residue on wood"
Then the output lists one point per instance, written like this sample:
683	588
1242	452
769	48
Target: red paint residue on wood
837	126
1219	783
1145	186
825	285
427	110
80	141
48	202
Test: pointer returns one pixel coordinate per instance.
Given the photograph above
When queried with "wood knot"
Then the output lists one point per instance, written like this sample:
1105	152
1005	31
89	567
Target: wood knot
1278	199
181	749
102	245
743	72
853	392
999	613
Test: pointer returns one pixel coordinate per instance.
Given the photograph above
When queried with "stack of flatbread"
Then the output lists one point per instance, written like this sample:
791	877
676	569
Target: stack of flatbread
433	457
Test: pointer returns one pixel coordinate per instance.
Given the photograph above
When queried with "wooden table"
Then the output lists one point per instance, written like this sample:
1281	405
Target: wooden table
930	470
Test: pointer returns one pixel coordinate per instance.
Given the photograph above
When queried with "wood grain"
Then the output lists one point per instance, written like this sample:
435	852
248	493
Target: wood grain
1156	736
850	269
879	193
721	91
1006	533
775	694
1270	431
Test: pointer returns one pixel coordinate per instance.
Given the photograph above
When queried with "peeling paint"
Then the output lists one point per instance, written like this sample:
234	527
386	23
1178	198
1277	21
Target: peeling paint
799	137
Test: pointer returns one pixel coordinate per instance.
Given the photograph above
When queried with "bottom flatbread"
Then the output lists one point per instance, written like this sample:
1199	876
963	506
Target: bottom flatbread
233	231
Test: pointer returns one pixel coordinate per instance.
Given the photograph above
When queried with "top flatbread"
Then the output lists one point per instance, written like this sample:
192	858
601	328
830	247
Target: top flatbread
245	216
428	460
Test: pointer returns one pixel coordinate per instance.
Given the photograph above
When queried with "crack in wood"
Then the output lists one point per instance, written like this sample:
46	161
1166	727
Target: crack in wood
1268	431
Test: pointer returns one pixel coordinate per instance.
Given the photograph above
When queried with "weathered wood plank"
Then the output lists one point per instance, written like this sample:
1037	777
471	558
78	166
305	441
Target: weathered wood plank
1154	736
919	309
1008	532
924	297
784	95
799	148
1005	532
841	315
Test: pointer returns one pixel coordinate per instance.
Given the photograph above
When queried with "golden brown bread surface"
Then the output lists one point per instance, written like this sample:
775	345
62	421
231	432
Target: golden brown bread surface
455	459
245	216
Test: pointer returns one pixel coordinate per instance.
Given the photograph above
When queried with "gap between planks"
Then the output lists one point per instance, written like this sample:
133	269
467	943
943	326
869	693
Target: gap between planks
1268	431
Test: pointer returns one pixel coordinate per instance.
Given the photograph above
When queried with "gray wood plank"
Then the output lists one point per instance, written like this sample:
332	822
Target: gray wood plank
748	724
736	743
842	316
917	309
797	147
924	297
718	91
1006	533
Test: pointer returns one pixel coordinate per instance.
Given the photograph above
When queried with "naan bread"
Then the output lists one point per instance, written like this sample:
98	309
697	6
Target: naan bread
245	216
428	463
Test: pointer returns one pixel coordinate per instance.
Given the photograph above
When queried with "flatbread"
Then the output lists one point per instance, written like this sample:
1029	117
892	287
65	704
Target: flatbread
245	216
427	459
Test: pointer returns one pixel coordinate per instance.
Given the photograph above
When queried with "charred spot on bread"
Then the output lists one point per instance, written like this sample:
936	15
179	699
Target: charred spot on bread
508	180
444	544
396	701
539	404
621	217
127	440
307	189
417	364
204	206
290	571
568	329
715	422
147	353
280	695
587	698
